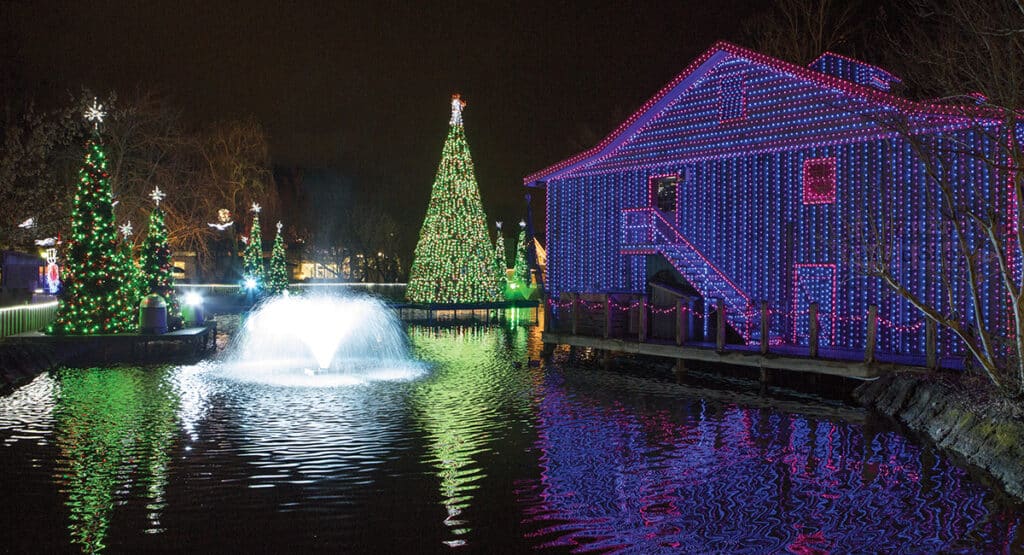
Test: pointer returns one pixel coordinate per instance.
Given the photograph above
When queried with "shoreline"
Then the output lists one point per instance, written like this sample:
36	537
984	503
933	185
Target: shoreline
956	415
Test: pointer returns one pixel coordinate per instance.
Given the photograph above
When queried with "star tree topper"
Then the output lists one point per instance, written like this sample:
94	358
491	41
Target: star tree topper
279	226
126	229
255	208
457	105
157	195
95	113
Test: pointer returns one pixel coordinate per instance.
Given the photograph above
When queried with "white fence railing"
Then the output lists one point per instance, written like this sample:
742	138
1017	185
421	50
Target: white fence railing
29	317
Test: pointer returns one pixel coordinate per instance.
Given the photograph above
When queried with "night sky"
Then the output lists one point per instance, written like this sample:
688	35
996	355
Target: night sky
363	89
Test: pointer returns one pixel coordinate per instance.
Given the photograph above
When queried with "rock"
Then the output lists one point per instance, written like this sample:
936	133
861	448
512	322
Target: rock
983	436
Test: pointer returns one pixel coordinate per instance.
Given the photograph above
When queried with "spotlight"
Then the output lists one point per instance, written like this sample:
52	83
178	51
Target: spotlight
193	299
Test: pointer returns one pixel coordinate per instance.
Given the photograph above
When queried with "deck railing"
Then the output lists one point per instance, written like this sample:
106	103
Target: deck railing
633	317
23	318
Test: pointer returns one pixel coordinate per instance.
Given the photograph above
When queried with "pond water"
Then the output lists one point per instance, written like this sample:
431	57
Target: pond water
482	452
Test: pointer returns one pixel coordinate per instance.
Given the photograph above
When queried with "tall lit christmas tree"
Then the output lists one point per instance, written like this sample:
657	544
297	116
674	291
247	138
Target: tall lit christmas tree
500	265
454	258
157	273
252	258
96	297
277	278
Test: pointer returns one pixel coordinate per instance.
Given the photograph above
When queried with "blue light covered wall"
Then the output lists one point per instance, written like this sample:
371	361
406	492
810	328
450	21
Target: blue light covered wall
742	201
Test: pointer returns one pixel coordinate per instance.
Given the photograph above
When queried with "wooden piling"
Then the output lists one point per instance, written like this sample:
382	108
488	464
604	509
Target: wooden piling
764	327
720	325
643	321
682	322
574	298
607	316
812	342
872	337
931	344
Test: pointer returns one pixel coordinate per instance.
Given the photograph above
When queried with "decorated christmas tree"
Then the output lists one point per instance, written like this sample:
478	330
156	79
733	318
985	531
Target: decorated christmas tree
252	258
97	298
520	281
277	279
157	276
454	258
500	266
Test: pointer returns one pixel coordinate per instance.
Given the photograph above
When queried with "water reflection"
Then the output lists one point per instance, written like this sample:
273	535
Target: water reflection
668	473
114	428
465	407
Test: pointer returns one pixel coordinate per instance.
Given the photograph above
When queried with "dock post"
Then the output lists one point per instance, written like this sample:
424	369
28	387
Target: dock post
643	319
549	321
607	316
680	369
682	323
812	342
720	325
931	344
869	347
574	298
764	327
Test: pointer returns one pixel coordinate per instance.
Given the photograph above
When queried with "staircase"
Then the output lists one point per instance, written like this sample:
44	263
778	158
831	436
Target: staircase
647	231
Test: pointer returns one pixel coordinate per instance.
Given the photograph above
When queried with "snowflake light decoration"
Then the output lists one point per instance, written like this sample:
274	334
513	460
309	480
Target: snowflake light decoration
255	208
157	195
126	230
279	226
95	114
457	105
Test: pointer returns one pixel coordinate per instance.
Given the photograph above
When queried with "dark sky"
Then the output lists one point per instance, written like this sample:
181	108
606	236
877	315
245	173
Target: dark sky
363	88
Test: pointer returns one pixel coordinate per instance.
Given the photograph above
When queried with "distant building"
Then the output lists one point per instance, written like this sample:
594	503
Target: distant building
748	178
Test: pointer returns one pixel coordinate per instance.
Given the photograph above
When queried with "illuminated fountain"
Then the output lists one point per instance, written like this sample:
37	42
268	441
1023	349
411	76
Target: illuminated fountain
322	340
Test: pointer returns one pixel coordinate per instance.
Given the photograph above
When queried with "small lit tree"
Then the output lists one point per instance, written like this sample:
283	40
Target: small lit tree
520	281
500	266
277	280
157	271
252	263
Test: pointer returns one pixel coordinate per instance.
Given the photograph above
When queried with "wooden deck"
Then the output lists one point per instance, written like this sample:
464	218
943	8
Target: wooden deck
125	347
626	323
706	352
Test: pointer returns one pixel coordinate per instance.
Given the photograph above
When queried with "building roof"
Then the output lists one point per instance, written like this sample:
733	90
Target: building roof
814	106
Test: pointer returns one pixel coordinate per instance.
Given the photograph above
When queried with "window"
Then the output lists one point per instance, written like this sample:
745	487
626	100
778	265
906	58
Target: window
820	181
732	102
664	192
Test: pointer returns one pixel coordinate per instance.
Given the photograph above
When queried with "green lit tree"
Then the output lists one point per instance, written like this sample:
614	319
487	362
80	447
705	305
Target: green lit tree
277	279
454	258
157	272
96	297
521	271
252	258
500	265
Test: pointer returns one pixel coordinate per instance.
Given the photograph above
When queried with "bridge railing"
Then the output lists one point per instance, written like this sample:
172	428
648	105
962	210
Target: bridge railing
29	317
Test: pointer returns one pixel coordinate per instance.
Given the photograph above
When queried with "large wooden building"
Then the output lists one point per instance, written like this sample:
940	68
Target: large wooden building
748	179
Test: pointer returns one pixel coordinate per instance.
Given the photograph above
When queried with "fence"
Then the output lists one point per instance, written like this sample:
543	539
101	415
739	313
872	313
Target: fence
30	317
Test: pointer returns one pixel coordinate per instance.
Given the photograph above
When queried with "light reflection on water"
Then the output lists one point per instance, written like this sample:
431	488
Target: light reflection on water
483	451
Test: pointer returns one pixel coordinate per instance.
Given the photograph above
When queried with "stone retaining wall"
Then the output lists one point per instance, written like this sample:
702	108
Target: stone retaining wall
984	437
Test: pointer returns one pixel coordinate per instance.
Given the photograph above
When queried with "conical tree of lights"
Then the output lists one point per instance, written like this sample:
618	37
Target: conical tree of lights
252	258
157	273
454	259
277	278
500	264
94	300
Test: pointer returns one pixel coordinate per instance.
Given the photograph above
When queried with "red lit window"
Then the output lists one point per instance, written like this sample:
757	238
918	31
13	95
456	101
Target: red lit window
820	181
